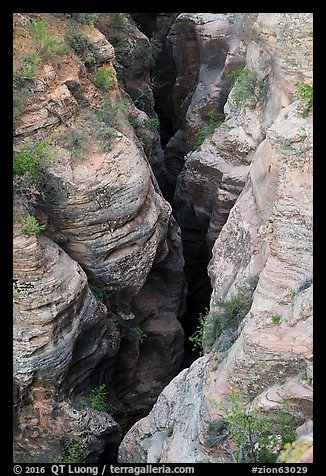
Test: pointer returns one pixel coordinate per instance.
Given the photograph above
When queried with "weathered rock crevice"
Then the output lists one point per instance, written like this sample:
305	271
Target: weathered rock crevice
249	186
204	48
143	227
115	322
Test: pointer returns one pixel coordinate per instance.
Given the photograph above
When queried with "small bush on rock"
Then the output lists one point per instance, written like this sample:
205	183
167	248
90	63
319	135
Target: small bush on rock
304	93
77	40
72	454
217	329
248	88
30	226
87	18
98	398
253	438
103	77
207	130
31	158
46	45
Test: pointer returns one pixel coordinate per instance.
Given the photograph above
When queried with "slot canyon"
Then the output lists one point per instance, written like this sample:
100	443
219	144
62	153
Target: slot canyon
162	239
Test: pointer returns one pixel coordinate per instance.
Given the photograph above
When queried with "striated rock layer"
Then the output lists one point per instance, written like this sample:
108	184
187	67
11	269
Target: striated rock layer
267	236
62	336
97	296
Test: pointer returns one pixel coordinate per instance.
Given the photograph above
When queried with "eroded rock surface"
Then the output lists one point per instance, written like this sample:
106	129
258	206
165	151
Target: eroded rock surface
62	335
267	235
99	294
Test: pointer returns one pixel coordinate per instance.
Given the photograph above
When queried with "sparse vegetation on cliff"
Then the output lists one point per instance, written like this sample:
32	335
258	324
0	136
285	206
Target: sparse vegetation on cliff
197	337
47	46
75	141
98	398
148	53
141	334
30	226
216	330
76	39
251	437
103	77
72	454
304	93
207	130
20	97
248	88
99	293
276	318
29	163
109	111
87	18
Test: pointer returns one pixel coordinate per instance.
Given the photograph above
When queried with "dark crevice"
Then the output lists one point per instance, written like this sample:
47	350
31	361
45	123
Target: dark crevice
171	106
195	250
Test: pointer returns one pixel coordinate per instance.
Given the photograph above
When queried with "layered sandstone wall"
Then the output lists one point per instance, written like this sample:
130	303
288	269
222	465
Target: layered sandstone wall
109	233
259	166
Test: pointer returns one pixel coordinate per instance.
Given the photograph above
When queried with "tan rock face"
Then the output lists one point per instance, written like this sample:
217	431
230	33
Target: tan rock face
110	217
133	63
205	48
268	234
58	324
108	224
46	426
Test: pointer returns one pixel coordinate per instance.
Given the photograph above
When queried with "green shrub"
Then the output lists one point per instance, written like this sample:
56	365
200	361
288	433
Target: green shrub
99	293
89	59
45	44
72	454
156	48
136	123
140	100
152	123
29	64
30	226
247	89
207	130
117	20
217	329
77	40
197	337
276	318
109	112
232	311
147	434
87	18
31	159
221	324
141	334
148	53
256	439
105	136
75	140
103	77
98	398
169	431
19	100
304	93
116	40
29	167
